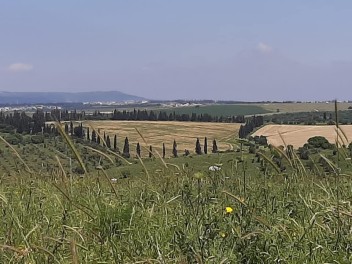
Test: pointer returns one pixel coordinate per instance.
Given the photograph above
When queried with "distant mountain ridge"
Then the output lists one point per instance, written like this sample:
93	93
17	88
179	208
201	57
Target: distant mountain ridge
65	97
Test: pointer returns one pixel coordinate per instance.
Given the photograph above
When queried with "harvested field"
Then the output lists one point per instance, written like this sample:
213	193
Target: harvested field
297	135
156	133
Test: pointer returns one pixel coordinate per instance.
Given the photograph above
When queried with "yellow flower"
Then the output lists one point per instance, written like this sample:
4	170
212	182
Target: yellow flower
222	234
229	210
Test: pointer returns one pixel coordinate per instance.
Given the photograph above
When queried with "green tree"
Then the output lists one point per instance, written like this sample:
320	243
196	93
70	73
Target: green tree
94	136
66	128
164	151
138	149
115	142
98	137
150	151
319	142
126	149
71	128
104	142
198	147
205	145
215	147
174	149
108	143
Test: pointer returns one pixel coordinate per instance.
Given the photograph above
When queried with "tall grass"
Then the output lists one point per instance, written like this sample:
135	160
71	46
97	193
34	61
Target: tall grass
179	213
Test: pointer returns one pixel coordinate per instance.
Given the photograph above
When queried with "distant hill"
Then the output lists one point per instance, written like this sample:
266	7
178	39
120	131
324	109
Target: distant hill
65	97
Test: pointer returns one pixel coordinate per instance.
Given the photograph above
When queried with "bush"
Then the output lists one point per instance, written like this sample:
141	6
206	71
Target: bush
14	139
303	153
319	142
37	139
6	128
252	149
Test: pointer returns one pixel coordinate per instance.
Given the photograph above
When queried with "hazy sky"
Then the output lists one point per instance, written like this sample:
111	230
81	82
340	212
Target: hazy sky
190	49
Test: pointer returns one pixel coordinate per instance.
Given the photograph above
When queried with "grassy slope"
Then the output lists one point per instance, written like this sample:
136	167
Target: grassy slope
171	215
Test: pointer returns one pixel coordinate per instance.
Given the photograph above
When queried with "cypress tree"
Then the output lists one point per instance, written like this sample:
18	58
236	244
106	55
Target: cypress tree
164	151
215	147
98	137
174	149
126	149
94	136
108	144
66	128
115	142
138	150
198	147
71	128
104	142
150	151
205	145
88	134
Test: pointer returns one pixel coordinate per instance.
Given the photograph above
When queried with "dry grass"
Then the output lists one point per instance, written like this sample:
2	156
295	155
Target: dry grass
156	133
297	135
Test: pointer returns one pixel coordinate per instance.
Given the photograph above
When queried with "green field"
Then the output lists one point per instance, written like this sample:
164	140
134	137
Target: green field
220	110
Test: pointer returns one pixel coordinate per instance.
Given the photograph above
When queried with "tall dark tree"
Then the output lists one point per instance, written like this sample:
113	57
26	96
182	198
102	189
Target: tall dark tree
98	136
150	151
94	136
174	149
164	151
71	128
78	131
88	134
138	150
198	147
66	128
205	145
115	142
104	142
126	149
108	143
215	147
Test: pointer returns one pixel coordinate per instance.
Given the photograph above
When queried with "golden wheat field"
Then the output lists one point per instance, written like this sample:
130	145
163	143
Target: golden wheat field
297	135
156	133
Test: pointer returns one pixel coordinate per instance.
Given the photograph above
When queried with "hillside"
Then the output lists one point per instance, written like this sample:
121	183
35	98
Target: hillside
64	97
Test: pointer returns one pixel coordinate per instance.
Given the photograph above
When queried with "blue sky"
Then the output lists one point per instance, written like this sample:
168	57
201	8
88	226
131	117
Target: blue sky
191	49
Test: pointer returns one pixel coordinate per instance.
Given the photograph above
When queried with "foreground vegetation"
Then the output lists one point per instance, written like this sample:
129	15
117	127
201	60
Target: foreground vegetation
250	211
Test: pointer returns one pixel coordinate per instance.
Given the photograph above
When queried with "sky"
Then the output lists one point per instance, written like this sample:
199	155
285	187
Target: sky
186	49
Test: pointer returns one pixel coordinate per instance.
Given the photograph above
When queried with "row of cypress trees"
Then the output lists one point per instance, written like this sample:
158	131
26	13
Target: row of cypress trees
96	136
198	148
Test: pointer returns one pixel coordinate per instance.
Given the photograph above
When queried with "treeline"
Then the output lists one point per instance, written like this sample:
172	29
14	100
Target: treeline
23	123
139	115
309	118
145	115
250	125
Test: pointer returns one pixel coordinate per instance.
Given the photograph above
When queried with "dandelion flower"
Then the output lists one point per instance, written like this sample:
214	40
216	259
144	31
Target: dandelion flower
228	210
222	234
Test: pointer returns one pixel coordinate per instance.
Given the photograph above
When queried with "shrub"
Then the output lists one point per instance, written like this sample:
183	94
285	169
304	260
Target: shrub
37	139
319	142
14	139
